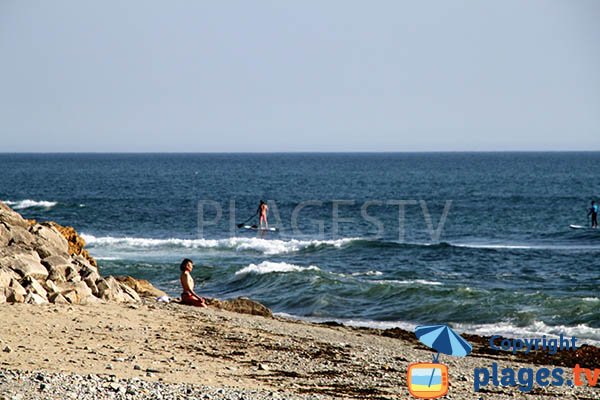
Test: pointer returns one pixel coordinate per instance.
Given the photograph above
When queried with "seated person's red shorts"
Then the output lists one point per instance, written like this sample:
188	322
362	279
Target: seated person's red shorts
190	299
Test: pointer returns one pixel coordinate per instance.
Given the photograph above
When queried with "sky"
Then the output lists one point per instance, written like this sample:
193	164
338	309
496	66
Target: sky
278	76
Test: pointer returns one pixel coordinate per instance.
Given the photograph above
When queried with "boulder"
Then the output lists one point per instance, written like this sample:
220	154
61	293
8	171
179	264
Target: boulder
57	298
91	283
83	290
75	242
82	262
2	296
56	276
4	235
10	217
14	293
6	275
241	305
72	274
20	236
51	287
89	274
56	262
110	290
71	296
25	264
33	286
130	294
141	286
33	298
17	287
13	296
48	237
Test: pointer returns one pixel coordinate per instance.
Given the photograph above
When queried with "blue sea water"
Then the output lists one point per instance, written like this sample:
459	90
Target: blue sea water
484	244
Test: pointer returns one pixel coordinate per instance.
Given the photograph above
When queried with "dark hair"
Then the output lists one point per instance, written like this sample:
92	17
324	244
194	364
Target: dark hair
184	263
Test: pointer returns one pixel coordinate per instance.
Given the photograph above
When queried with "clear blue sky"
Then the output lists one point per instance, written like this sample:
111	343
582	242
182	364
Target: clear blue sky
206	76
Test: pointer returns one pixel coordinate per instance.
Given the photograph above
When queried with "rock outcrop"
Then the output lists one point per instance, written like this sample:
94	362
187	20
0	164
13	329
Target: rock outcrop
242	305
141	286
46	262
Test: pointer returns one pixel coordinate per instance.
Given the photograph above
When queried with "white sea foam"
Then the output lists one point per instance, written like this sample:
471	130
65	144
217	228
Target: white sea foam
591	299
584	333
268	247
407	282
107	258
368	273
267	267
362	323
509	246
28	203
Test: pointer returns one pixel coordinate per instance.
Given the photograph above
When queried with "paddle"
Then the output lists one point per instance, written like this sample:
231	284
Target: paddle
242	224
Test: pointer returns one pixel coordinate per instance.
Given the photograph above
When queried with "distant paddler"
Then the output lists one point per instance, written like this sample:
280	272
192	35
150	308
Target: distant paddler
593	211
262	211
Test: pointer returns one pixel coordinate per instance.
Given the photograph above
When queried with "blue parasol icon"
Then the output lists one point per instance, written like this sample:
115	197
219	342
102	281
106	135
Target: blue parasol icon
444	340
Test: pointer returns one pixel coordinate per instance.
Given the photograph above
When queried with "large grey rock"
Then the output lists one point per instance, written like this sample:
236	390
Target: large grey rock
20	237
58	298
4	235
56	276
83	290
10	217
82	262
56	262
25	264
32	285
6	275
91	283
110	290
241	305
130	294
13	296
14	293
141	286
51	287
72	274
34	298
51	238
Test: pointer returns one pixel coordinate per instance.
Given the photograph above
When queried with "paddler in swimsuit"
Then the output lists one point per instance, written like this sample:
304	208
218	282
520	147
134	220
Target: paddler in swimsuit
189	297
262	212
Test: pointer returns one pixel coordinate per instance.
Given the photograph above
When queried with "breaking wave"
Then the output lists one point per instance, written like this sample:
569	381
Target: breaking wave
28	203
267	247
267	267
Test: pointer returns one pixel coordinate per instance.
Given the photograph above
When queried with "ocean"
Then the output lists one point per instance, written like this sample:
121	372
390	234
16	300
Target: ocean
479	241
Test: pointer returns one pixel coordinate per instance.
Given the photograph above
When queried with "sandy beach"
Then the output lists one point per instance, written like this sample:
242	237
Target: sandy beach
121	351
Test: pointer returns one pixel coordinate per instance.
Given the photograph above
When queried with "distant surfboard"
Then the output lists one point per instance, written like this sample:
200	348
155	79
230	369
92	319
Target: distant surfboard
583	227
256	228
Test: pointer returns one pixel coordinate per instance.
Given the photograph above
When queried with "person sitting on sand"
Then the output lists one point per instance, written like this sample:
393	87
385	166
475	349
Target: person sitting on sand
189	297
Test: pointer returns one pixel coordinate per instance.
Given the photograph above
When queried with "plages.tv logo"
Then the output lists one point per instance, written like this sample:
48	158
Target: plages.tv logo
430	380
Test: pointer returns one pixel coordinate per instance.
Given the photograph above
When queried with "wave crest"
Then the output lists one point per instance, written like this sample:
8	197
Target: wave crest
267	247
267	267
28	203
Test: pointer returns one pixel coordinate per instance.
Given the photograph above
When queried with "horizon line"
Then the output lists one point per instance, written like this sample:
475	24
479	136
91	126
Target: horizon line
303	152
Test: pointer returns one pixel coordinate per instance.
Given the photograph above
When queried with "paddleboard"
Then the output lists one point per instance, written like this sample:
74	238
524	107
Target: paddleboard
256	228
583	227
